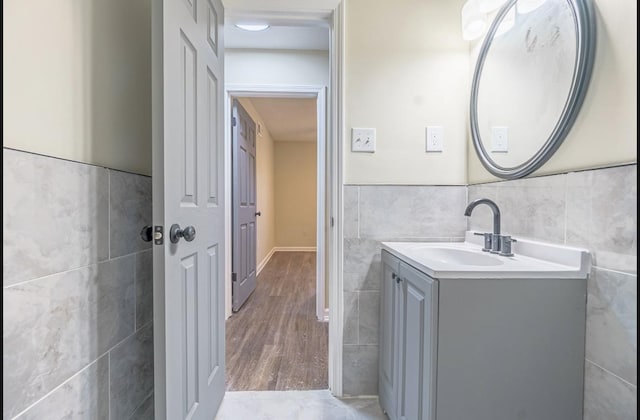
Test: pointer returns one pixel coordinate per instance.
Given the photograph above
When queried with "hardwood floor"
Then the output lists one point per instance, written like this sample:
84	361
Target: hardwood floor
275	341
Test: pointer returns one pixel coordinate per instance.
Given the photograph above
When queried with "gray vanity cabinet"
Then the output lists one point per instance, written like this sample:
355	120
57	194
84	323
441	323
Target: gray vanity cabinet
480	348
408	327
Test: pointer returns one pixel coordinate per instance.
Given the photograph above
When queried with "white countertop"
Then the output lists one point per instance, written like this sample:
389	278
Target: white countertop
466	260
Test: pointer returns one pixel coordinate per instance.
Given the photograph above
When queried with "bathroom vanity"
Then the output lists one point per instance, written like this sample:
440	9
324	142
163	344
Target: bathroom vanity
466	334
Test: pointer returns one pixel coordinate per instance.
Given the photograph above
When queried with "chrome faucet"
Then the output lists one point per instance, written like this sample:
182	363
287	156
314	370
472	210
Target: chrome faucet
492	241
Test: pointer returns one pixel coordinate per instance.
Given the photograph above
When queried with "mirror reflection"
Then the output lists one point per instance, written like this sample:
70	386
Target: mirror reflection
530	79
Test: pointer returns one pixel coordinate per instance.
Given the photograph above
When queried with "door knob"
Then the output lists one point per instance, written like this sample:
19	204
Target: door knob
175	233
146	233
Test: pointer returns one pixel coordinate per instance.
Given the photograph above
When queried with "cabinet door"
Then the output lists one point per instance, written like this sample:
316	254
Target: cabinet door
388	334
417	345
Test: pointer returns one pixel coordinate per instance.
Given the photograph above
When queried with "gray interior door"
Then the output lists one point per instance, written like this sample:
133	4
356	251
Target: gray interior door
244	205
188	186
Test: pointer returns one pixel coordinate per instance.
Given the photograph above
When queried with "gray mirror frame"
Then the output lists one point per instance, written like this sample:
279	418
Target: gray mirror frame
585	26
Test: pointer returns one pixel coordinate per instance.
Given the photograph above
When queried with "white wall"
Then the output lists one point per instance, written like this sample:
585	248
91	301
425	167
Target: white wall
606	131
295	187
265	192
77	80
276	67
406	67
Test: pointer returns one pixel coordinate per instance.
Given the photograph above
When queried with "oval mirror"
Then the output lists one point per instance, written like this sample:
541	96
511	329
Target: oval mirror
530	80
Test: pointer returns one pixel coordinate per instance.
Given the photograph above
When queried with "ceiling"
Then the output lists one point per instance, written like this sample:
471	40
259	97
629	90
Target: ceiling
281	37
281	5
288	119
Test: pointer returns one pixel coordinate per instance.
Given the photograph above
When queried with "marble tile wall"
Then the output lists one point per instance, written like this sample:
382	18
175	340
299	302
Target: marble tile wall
596	210
374	214
77	291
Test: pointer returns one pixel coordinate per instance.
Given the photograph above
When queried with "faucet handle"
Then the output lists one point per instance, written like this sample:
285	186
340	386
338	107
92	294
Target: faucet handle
488	239
505	245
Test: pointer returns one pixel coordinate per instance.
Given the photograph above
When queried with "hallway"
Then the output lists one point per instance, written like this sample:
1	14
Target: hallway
275	341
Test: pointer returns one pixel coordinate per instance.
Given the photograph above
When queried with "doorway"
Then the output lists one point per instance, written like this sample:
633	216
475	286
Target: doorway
333	19
278	340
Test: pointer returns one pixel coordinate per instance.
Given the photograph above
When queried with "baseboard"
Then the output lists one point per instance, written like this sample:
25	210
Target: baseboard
275	249
295	248
264	261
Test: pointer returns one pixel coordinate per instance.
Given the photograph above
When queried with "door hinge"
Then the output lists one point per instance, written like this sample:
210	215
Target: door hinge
233	121
158	235
234	276
332	221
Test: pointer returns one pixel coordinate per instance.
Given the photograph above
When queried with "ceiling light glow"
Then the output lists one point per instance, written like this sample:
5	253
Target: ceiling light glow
253	27
474	22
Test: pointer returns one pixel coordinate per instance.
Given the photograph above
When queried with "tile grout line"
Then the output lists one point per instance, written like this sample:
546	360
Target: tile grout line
109	213
610	373
146	397
93	165
109	386
74	269
135	292
39	400
616	271
105	353
358	209
358	320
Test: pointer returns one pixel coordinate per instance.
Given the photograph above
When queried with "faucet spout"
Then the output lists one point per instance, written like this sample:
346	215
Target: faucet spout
494	208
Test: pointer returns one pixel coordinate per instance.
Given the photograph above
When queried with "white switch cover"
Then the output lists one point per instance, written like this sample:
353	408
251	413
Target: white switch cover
363	140
500	139
435	139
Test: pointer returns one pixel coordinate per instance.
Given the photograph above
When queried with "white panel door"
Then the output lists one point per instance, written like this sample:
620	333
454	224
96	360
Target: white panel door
188	132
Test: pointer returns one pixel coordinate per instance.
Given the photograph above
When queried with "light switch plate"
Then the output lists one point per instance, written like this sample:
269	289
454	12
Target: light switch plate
500	139
435	138
363	140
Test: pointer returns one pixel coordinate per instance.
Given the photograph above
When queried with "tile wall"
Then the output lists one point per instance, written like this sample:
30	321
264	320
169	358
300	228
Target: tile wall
77	298
77	291
595	210
374	214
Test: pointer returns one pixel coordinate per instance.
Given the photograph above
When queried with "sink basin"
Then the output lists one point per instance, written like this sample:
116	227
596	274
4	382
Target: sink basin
532	259
463	257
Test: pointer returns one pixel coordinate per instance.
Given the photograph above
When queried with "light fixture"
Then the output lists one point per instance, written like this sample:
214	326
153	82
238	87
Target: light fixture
507	22
526	6
487	6
253	27
474	22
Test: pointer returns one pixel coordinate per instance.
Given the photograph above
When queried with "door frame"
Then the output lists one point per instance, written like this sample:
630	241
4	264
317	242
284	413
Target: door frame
291	92
334	136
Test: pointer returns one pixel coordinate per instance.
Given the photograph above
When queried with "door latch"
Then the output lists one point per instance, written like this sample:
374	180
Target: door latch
158	235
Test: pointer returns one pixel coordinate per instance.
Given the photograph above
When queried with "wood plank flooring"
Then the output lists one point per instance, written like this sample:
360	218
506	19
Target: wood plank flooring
275	341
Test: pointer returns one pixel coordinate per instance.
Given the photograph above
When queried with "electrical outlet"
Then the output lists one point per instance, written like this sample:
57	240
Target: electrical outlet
435	139
500	139
363	140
